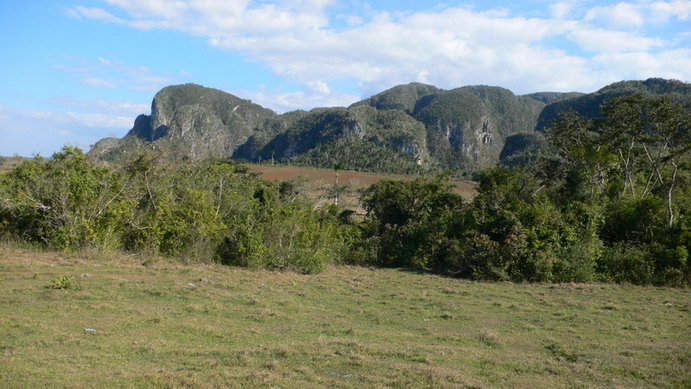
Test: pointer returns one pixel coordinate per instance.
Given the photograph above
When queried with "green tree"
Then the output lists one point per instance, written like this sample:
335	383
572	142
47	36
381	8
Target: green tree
639	144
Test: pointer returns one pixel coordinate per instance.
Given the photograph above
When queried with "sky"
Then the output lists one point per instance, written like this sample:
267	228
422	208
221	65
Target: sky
75	71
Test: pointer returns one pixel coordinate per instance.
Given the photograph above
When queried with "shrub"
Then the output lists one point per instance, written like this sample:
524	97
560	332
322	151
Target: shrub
576	262
59	201
626	263
289	238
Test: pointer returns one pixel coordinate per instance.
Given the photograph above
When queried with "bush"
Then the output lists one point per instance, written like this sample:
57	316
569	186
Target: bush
576	262
625	263
411	221
60	202
289	238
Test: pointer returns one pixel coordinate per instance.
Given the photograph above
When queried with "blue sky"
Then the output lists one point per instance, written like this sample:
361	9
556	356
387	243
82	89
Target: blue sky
75	71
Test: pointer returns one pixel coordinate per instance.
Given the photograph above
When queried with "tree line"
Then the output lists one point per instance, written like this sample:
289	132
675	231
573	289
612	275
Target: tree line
609	202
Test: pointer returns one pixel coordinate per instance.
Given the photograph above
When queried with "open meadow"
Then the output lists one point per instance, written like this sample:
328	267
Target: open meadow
91	320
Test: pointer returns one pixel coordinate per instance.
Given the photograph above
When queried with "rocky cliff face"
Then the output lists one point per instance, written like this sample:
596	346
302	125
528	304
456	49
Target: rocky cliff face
467	127
408	128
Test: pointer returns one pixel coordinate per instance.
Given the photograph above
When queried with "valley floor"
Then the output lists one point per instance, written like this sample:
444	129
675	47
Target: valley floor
92	320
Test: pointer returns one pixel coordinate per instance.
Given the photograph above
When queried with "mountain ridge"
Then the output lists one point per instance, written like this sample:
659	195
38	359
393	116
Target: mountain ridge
409	128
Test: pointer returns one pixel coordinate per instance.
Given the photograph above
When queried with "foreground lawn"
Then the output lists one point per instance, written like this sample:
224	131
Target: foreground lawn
347	327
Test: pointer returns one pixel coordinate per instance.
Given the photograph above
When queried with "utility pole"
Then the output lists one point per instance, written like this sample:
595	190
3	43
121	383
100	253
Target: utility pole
338	166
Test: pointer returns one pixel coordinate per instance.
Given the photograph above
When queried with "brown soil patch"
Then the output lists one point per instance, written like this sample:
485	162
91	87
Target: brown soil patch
355	179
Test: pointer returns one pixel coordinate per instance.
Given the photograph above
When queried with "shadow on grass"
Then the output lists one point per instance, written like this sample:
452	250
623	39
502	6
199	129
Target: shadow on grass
419	271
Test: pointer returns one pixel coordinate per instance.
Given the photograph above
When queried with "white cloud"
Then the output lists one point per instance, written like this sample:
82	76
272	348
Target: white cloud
447	46
353	20
94	81
663	10
59	118
319	86
620	15
80	12
281	101
120	108
672	64
562	9
451	48
3	116
601	40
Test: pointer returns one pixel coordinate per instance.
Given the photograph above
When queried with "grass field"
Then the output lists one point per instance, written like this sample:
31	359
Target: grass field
137	322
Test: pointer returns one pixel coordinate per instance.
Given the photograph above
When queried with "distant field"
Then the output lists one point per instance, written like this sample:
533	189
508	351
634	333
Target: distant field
356	179
7	163
141	323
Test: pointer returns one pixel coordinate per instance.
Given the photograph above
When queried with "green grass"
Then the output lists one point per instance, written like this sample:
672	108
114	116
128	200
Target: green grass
348	327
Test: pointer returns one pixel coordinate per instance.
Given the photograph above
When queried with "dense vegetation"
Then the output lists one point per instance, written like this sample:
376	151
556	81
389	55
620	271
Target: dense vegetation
612	204
211	210
609	202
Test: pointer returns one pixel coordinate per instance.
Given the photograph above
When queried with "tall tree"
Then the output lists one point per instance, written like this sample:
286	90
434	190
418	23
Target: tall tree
639	141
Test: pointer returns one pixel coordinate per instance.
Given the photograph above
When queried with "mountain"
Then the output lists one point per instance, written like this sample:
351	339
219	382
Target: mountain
361	137
408	98
189	121
406	129
589	104
467	127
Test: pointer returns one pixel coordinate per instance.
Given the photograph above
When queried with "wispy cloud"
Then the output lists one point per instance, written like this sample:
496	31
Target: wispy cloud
120	108
619	15
111	73
61	119
282	101
94	81
664	10
609	41
19	127
80	12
